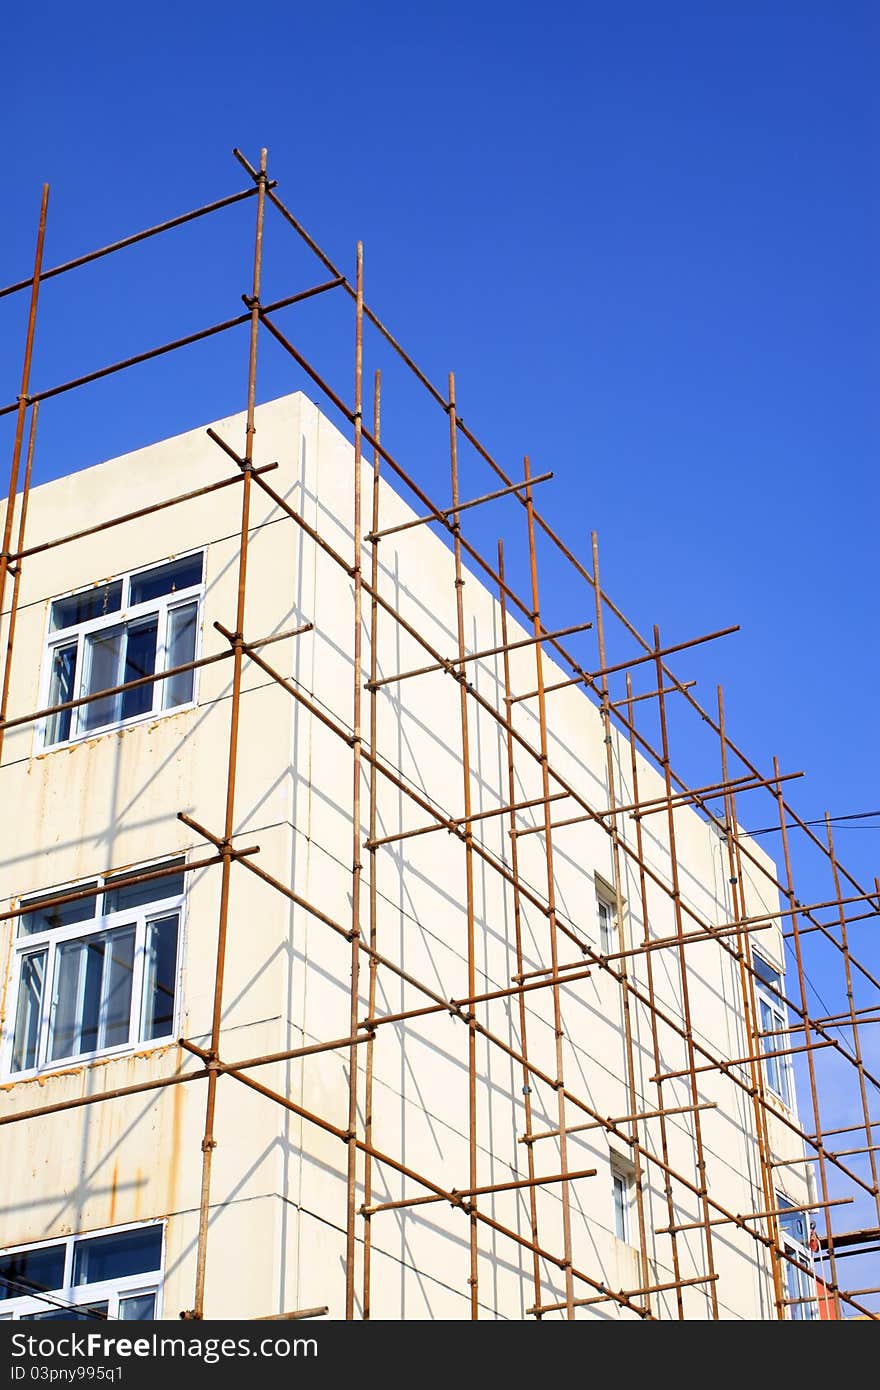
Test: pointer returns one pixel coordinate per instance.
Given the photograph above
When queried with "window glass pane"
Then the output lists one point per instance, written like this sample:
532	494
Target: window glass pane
771	1021
767	1022
61	915
121	896
798	1288
115	1256
60	690
780	1041
140	660
619	1186
93	953
31	1271
767	1043
606	925
81	608
166	579
92	1312
117	1001
92	1006
181	648
30	1006
766	972
77	1004
794	1225
64	1035
102	662
160	974
138	1307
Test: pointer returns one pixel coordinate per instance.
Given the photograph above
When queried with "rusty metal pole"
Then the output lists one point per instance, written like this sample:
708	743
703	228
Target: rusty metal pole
16	582
446	1195
621	928
702	1180
468	853
517	929
373	813
10	647
559	1083
652	1011
209	1143
739	910
501	868
241	649
453	826
854	1025
23	402
805	1014
357	741
577	567
747	971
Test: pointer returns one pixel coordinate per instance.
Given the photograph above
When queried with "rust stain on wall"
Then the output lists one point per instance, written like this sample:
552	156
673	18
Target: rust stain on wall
113	1186
173	1168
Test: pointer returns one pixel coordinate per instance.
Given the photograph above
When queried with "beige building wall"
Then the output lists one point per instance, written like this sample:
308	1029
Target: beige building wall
277	1236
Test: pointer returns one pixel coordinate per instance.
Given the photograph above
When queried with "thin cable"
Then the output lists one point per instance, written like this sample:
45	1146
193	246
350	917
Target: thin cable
793	825
28	1291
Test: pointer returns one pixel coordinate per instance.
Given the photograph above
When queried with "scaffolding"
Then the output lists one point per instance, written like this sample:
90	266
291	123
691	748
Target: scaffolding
843	1172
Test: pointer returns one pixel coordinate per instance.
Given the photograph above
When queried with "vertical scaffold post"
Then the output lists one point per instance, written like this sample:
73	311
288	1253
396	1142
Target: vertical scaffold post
702	1179
517	930
373	815
16	582
854	1023
209	1142
739	910
622	936
467	827
808	1031
21	411
551	904
357	750
656	1055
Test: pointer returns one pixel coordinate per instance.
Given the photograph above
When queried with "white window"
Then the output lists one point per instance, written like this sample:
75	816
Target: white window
621	1191
800	1281
116	1275
133	627
606	915
95	975
773	1023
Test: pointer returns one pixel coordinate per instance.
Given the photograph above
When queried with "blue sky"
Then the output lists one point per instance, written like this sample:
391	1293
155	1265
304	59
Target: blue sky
642	235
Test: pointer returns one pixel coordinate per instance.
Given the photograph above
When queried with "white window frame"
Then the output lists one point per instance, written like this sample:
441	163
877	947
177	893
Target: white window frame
622	1180
779	1017
126	615
606	903
50	940
799	1283
80	1295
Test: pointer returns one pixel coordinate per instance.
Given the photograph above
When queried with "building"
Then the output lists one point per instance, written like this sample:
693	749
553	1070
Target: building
109	1144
